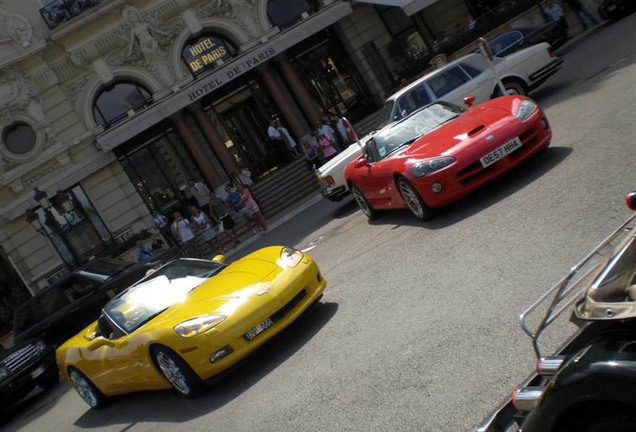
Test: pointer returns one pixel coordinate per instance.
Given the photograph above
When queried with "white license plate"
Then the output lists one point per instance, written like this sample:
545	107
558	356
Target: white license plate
267	323
37	372
500	152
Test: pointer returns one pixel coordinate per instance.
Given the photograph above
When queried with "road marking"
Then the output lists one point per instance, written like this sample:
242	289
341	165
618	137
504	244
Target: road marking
308	249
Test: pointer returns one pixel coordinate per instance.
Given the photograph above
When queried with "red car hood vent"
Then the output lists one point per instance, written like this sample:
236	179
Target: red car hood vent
451	137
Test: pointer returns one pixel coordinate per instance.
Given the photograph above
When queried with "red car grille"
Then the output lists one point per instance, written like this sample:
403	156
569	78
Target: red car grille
474	171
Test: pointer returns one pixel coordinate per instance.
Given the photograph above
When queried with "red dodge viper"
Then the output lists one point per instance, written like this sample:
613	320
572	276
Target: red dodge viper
441	152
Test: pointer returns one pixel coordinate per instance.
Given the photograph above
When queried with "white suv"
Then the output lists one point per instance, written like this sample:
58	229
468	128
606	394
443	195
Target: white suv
520	73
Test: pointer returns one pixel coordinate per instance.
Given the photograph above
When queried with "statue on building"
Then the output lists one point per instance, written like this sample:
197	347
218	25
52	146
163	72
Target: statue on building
244	12
17	27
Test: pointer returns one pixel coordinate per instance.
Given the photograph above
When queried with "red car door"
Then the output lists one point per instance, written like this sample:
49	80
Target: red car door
376	180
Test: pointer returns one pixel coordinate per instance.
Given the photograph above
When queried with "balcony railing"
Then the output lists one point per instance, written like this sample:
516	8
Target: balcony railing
58	12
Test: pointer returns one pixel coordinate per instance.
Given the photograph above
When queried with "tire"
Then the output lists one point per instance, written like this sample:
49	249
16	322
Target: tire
513	87
413	200
613	423
364	205
177	372
86	389
50	382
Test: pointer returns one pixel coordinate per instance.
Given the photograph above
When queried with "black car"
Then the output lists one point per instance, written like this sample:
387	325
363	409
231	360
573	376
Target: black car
590	384
615	9
22	368
553	33
70	304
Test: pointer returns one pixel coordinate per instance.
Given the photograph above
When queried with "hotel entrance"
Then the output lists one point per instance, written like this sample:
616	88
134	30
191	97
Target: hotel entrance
242	117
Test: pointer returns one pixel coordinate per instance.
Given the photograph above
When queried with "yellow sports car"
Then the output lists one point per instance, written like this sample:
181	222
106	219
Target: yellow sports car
189	321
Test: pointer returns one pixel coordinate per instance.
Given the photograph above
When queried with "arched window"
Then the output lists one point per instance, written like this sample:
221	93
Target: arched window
115	101
206	52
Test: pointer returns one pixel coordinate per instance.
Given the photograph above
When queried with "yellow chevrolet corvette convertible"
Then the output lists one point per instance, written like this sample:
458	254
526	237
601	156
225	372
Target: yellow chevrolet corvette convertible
187	322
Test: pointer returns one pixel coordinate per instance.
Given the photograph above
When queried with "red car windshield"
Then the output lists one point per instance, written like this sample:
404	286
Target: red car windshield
413	127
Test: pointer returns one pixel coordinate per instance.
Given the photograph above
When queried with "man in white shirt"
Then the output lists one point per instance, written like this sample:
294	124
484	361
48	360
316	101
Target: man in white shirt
200	192
182	231
277	132
160	224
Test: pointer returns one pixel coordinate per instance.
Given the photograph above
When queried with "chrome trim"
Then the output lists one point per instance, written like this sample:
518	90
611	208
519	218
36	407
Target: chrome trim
548	366
526	398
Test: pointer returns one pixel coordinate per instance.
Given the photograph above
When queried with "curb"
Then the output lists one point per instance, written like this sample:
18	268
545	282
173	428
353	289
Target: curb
578	37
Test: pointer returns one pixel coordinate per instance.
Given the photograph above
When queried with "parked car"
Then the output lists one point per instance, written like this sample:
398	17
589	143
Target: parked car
68	305
588	384
440	153
189	321
615	9
520	73
22	368
553	33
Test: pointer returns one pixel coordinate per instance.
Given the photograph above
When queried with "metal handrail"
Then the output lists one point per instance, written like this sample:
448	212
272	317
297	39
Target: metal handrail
561	290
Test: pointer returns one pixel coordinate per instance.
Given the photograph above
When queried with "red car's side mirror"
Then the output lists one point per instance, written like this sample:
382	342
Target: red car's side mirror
630	199
362	161
469	100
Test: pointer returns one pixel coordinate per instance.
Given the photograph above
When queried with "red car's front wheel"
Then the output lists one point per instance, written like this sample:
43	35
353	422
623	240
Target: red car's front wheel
362	202
413	200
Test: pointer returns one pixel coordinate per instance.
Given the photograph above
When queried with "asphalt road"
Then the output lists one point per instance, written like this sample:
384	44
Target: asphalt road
417	330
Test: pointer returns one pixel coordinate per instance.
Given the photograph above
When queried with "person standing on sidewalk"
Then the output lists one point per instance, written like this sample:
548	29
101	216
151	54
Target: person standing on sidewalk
580	10
160	224
205	230
325	129
251	208
182	231
199	191
220	213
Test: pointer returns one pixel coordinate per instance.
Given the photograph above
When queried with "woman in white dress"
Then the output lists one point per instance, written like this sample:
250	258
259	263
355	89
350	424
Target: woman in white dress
204	229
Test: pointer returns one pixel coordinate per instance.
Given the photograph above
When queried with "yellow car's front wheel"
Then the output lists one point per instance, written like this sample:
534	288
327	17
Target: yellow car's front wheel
86	389
177	372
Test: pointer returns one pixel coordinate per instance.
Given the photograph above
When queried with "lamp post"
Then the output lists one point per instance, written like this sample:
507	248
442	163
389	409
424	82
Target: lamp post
63	200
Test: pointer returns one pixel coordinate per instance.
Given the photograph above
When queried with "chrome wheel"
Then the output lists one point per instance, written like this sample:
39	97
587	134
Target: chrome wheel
173	372
84	388
411	199
362	202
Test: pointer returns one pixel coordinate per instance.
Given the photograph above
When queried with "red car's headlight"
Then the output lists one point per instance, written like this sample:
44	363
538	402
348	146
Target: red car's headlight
525	110
428	166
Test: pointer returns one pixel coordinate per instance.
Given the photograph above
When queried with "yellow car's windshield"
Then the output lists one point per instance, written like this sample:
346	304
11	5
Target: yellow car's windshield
167	286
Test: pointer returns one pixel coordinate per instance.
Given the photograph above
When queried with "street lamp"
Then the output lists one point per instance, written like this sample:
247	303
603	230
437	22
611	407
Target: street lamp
60	200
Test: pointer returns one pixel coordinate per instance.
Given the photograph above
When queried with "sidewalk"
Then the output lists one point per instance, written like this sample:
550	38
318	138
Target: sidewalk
578	37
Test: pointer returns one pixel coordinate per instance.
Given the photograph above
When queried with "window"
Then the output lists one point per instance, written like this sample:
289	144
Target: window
415	98
206	52
283	13
447	81
113	102
19	138
472	70
502	42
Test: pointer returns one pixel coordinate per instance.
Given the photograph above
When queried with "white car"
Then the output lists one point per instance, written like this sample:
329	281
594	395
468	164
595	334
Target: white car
520	73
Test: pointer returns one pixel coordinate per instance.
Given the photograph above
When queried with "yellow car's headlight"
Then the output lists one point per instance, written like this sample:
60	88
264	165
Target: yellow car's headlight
290	257
194	326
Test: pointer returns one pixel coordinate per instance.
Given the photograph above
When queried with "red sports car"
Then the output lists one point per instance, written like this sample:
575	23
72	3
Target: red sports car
442	152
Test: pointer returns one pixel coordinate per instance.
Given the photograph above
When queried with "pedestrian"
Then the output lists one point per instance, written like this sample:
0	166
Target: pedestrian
160	224
220	214
279	133
157	244
251	208
200	192
182	232
325	146
311	156
323	128
580	11
202	224
143	252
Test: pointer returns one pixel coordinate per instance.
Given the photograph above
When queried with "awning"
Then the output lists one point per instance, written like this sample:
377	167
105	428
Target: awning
408	6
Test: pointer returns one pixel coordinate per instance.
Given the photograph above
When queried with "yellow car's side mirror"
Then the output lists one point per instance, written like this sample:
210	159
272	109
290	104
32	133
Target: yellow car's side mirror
219	259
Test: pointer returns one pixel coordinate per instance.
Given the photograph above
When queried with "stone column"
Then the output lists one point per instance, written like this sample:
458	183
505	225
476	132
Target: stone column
213	137
284	103
297	87
201	159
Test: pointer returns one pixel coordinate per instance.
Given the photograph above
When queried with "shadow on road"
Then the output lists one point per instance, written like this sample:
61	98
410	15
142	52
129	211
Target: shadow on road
508	184
168	406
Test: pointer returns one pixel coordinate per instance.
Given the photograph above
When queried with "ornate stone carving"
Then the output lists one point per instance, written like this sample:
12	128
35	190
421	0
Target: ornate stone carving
74	88
244	13
213	7
15	90
18	27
